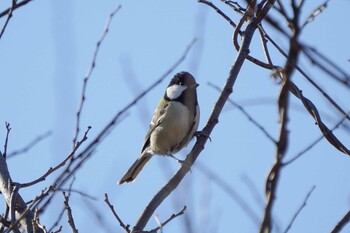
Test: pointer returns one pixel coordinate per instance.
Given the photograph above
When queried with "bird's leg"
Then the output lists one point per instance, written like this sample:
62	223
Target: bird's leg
182	162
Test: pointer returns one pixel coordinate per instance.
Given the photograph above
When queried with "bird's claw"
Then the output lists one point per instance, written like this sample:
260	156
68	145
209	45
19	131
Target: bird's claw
203	134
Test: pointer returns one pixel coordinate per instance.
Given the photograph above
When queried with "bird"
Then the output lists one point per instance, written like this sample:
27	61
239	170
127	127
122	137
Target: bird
174	123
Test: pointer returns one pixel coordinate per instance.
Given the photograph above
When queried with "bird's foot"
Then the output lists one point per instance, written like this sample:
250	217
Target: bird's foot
202	134
182	162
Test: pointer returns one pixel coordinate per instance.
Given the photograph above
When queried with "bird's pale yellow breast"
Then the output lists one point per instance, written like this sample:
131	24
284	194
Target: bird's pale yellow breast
173	128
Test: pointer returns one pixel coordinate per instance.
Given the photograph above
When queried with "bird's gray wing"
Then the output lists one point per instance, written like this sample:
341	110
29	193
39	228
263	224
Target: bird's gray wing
156	120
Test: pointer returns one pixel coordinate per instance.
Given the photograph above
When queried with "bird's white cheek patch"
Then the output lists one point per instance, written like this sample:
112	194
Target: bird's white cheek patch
174	91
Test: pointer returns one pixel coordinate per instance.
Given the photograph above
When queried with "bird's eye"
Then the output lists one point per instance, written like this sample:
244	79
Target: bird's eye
181	83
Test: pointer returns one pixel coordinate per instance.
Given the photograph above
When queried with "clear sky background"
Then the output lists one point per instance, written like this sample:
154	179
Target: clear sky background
46	52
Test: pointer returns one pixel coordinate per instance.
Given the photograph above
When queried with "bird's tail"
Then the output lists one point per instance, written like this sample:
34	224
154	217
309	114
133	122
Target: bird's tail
135	169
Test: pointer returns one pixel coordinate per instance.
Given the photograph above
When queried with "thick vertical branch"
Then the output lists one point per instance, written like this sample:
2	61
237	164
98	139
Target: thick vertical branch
21	210
282	144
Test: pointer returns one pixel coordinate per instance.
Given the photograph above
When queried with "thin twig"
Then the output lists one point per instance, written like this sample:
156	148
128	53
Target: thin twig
99	215
235	6
309	147
315	13
220	13
125	227
78	192
69	213
58	230
58	220
317	57
53	169
260	15
250	118
300	209
264	43
29	145
230	191
282	9
255	192
17	5
8	129
9	16
13	198
88	74
173	216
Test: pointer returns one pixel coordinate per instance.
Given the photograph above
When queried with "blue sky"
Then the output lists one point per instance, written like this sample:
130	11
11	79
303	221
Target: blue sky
46	52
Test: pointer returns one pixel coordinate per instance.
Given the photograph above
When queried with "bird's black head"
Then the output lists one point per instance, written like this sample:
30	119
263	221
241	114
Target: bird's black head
181	82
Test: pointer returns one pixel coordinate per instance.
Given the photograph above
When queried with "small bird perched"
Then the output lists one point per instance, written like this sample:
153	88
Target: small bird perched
173	125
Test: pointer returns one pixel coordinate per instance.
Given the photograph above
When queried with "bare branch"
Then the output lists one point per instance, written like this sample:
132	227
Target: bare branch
125	227
59	218
300	209
23	215
282	9
328	134
254	191
247	16
70	190
264	41
315	13
273	176
30	145
272	179
9	16
250	118
36	221
330	68
53	169
12	8
229	190
309	147
219	12
88	74
235	6
58	230
69	213
13	207
8	129
341	224
173	216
